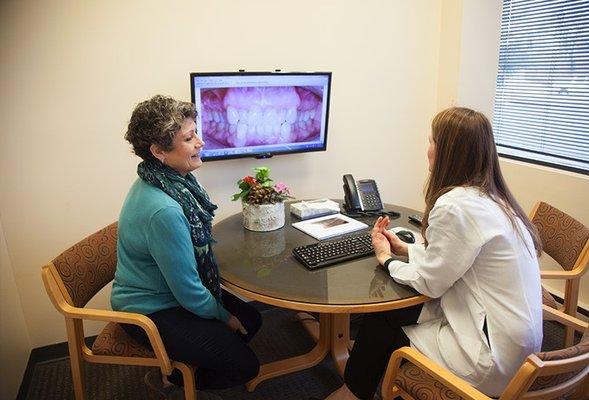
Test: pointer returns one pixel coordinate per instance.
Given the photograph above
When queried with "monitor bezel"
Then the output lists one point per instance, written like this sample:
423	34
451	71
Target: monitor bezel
265	154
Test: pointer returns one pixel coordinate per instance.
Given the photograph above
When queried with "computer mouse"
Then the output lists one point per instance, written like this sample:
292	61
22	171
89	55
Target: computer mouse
406	236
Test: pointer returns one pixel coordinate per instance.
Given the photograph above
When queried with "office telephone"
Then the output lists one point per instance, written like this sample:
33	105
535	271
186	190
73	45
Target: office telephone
361	195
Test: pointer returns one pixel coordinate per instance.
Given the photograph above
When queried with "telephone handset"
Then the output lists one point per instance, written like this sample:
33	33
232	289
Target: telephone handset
361	195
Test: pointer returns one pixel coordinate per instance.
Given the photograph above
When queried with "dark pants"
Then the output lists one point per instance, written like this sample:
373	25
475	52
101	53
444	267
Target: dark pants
377	338
222	357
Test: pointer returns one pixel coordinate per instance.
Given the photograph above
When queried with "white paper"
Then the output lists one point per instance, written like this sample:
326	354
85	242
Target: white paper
329	226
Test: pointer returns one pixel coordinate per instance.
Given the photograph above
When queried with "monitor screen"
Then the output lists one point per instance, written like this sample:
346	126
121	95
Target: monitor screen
260	114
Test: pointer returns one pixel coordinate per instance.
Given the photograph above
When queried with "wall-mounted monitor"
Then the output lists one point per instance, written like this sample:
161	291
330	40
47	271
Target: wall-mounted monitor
261	114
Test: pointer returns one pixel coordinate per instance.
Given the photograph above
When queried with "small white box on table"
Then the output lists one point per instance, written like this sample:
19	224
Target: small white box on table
314	208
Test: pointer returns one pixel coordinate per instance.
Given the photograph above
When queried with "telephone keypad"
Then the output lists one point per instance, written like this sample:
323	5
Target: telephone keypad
371	201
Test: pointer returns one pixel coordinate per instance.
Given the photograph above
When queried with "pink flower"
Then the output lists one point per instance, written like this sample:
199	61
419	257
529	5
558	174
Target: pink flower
282	188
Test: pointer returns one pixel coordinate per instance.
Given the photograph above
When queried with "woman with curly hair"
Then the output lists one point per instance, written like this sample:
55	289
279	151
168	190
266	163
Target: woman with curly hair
166	268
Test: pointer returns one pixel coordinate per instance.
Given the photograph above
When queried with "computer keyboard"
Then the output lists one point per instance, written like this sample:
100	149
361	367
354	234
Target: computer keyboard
322	254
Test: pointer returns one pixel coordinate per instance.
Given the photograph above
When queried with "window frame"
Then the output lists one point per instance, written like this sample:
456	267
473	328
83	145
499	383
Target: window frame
521	153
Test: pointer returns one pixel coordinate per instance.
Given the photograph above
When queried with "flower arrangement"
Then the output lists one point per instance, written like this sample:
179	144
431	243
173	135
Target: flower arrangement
259	189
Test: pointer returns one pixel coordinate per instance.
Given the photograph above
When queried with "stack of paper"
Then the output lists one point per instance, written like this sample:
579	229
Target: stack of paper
329	226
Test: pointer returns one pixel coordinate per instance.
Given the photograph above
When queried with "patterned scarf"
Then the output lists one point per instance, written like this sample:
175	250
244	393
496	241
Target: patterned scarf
198	209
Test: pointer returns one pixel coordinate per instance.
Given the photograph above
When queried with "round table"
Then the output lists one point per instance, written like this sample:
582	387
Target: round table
260	266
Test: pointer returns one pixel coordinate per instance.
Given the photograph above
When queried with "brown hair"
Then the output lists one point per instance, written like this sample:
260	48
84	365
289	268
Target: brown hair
156	121
466	156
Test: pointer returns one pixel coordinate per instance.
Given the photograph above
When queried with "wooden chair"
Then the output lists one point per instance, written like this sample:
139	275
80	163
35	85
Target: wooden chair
543	375
71	280
566	240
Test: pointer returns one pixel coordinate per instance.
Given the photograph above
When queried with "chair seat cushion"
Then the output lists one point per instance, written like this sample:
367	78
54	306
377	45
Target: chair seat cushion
114	341
421	385
547	381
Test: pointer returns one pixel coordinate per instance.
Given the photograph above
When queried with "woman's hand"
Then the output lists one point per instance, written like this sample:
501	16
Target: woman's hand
380	243
395	245
235	325
398	247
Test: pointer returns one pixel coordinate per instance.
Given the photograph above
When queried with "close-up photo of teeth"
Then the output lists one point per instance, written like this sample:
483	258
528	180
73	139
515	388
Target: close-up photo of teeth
244	116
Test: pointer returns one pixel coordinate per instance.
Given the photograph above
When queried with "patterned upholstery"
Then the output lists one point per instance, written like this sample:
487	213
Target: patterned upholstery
114	341
563	237
89	265
552	380
421	385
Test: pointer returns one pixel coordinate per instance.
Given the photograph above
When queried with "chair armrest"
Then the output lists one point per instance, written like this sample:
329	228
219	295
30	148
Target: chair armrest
120	317
572	274
67	310
124	318
551	314
453	382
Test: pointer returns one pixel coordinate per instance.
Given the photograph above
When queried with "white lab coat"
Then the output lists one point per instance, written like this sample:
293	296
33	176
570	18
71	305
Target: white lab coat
476	266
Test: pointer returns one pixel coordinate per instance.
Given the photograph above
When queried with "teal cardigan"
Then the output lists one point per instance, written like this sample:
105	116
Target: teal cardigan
156	267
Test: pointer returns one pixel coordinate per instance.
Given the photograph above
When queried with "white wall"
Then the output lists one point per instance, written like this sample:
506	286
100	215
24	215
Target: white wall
14	337
72	71
449	64
479	57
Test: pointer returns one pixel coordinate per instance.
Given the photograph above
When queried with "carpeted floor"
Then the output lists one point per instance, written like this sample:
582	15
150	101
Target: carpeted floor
281	336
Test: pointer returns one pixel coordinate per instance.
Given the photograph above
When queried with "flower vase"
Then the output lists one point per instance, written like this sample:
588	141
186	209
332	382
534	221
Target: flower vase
263	217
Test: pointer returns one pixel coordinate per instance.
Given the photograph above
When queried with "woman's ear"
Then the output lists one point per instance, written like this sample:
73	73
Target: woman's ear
157	152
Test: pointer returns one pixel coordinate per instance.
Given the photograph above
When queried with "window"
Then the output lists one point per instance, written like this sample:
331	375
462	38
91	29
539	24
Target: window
541	112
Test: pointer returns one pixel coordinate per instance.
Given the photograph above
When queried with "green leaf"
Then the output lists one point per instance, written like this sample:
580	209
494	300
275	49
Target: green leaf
262	174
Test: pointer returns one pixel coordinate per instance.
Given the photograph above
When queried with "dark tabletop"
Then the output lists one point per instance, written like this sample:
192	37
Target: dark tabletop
262	263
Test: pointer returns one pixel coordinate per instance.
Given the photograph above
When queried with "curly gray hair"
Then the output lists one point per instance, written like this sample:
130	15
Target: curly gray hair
156	121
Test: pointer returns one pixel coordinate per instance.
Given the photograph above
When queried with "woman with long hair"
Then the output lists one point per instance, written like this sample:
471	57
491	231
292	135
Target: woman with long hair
478	264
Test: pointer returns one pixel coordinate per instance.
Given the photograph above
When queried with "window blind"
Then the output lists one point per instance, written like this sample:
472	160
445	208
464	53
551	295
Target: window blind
541	111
